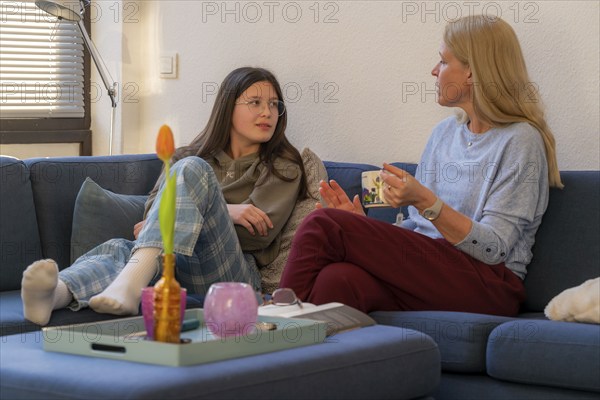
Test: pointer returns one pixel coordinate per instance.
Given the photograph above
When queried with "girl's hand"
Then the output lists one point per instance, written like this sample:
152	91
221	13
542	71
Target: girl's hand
137	228
250	217
402	189
335	197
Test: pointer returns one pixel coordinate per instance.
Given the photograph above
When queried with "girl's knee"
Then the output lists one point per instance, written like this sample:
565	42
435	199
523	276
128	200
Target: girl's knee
193	164
195	169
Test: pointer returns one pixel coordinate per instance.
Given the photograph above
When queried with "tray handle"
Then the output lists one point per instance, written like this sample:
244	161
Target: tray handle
108	348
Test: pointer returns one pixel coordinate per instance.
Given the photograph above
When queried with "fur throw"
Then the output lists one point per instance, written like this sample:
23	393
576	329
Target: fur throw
577	304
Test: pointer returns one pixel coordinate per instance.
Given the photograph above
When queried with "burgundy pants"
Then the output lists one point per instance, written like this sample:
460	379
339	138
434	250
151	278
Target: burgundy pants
373	265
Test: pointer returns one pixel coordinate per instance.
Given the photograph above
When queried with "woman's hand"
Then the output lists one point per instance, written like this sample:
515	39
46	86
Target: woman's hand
402	189
250	217
335	197
137	228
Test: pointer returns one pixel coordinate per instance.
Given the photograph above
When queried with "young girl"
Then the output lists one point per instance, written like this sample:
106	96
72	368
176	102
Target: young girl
237	184
477	199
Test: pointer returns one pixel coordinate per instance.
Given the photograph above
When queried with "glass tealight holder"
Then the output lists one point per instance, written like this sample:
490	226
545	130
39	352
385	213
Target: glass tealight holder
230	309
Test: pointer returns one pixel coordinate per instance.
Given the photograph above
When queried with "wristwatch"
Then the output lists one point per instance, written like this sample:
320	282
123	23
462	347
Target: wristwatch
433	212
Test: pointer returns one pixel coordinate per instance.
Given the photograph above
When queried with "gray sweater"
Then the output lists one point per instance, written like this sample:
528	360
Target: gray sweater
499	179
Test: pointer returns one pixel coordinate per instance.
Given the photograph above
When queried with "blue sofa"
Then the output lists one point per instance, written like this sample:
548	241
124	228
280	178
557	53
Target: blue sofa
482	356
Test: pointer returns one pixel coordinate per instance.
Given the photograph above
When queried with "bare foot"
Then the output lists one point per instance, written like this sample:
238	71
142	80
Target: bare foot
37	290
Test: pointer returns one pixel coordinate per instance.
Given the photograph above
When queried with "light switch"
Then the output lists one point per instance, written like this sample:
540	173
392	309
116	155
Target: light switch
168	65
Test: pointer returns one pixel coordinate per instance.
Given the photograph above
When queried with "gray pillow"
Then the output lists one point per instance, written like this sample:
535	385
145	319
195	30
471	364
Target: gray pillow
100	215
315	171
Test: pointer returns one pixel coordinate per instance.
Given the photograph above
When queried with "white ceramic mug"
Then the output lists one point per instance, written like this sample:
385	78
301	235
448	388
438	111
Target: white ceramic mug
372	190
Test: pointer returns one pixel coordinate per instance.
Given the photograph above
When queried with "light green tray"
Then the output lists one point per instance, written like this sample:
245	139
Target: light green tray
124	339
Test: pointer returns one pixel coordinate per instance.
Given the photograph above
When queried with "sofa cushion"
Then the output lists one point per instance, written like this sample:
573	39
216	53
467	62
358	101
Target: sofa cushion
562	354
12	320
56	183
18	229
100	215
461	337
315	172
566	250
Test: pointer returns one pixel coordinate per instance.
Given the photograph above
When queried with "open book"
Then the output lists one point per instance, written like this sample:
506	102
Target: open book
339	317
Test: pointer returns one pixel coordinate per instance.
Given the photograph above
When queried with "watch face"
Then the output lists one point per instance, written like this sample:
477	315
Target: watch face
429	214
433	212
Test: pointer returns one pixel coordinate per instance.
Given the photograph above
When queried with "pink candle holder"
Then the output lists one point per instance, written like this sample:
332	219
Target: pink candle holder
230	308
148	308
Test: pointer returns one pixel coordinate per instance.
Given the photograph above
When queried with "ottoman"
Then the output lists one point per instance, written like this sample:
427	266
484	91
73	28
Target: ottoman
372	362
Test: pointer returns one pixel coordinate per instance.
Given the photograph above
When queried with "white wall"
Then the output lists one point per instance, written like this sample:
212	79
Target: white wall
109	37
356	75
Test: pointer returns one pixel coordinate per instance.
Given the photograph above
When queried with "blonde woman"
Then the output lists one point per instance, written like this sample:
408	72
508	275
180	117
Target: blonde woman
477	198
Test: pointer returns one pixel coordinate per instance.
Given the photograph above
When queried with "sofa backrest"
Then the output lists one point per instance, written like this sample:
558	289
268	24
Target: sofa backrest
56	183
19	235
567	246
566	252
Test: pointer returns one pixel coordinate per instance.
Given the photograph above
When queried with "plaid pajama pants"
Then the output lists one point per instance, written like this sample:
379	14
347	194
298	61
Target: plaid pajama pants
206	244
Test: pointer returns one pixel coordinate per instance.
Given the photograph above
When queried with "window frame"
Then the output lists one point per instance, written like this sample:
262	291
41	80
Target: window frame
56	130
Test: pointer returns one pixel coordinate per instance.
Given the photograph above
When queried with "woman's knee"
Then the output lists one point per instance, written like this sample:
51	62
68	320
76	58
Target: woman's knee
314	227
321	218
326	223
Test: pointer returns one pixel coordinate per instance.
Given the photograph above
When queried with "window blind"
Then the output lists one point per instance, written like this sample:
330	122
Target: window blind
41	64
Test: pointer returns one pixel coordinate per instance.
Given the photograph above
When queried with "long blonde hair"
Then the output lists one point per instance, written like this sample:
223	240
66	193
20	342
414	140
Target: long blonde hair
502	91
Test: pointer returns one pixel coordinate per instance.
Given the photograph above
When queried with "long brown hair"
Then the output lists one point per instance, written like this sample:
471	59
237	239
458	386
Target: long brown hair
216	135
502	93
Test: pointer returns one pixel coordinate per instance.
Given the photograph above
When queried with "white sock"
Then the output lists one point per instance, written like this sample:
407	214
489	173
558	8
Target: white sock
42	291
122	296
